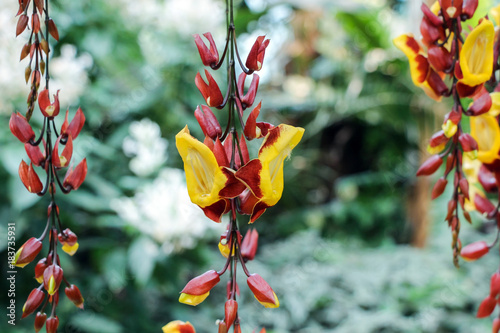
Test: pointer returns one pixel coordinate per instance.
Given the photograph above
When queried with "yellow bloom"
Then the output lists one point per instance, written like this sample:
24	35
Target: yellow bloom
70	249
264	175
208	184
476	56
471	169
485	130
419	65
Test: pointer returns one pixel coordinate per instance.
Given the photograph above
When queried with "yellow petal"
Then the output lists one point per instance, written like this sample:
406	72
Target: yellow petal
419	66
203	175
274	305
485	130
176	326
193	299
70	249
277	146
476	56
449	128
495	105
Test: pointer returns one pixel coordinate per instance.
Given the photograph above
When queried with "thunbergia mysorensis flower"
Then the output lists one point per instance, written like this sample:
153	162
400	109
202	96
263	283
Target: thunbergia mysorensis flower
51	151
459	61
223	179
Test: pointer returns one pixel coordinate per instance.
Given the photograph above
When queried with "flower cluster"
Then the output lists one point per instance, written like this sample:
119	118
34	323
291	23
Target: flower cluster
458	61
220	176
51	155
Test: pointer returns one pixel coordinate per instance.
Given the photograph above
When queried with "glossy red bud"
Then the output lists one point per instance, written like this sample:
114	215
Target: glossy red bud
439	188
495	284
34	300
256	56
474	251
74	295
208	122
230	312
75	177
52	324
20	127
210	92
430	166
483	205
250	244
468	9
481	105
440	58
40	321
487	307
74	128
202	283
209	57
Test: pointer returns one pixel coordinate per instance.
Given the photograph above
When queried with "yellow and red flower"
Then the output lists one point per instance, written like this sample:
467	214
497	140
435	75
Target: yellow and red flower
264	175
178	326
209	181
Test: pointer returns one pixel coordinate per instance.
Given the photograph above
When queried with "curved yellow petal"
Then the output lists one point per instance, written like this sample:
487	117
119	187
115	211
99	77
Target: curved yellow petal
193	299
277	146
419	65
476	56
204	177
274	305
495	104
178	326
485	130
70	249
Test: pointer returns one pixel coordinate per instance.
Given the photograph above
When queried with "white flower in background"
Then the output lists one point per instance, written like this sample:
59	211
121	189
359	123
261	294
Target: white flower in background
163	211
68	72
185	17
146	146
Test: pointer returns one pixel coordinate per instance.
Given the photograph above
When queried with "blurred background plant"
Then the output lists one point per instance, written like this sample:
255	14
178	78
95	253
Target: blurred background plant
337	248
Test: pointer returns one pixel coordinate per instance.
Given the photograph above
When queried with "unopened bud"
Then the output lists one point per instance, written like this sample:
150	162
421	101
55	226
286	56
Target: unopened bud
474	251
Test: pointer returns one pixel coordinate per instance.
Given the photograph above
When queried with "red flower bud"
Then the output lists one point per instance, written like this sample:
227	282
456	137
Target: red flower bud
35	23
496	325
52	324
52	277
48	109
178	326
452	205
53	29
20	127
30	178
209	57
464	187
230	312
74	128
35	154
40	321
208	122
430	166
211	92
451	8
440	58
222	327
467	142
430	32
74	295
487	179
468	9
474	251
61	161
22	23
256	55
438	188
27	252
433	18
40	268
75	177
480	105
495	284
198	289
250	244
262	291
436	83
34	300
248	99
251	130
483	205
486	308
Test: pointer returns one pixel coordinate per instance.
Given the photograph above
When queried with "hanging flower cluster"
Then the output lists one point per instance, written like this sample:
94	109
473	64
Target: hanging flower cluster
458	61
50	151
222	179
